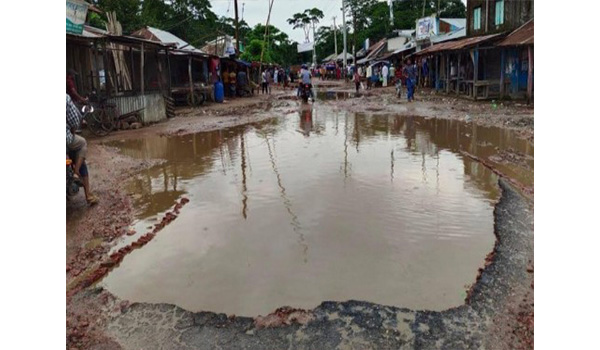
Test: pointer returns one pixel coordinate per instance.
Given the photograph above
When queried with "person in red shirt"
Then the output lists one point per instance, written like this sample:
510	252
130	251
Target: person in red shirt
72	88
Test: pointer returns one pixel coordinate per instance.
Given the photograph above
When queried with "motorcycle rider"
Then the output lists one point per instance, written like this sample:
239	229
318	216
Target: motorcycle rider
77	146
305	78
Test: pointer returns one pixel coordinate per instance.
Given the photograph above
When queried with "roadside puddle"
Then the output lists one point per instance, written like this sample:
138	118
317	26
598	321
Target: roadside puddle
314	206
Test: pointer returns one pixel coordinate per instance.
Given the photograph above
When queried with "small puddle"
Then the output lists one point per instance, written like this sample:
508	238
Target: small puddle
334	95
321	205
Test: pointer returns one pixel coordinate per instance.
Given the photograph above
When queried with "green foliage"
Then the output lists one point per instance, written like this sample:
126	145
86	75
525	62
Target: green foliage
254	50
278	47
407	12
326	41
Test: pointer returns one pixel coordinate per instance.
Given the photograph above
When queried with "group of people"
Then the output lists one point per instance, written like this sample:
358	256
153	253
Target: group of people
403	75
276	76
330	72
235	82
286	77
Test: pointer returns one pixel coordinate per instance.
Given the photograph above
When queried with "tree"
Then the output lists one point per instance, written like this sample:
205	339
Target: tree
301	20
305	19
359	11
326	42
278	48
406	13
188	19
128	13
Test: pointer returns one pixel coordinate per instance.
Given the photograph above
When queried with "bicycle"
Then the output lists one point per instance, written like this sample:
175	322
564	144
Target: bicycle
104	115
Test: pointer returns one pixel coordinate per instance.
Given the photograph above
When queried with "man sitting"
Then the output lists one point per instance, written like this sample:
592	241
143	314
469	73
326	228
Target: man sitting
77	147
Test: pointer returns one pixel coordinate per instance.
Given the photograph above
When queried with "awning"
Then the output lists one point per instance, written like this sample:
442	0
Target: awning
520	36
399	51
458	44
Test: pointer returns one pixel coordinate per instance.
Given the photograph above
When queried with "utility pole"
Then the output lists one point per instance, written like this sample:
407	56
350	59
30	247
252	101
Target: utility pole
345	45
392	12
237	28
314	45
262	52
335	37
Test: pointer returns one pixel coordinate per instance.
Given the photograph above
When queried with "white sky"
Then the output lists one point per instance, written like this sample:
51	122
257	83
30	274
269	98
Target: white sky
255	11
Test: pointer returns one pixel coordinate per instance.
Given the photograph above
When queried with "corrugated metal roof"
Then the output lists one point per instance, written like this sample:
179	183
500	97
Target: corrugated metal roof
520	36
457	22
407	47
378	46
458	44
159	35
348	56
449	36
329	58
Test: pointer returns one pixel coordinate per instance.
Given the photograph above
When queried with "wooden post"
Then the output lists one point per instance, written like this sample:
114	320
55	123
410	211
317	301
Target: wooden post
142	70
458	75
96	68
502	68
191	80
169	69
107	76
132	70
475	71
262	51
530	73
237	29
437	72
160	71
448	73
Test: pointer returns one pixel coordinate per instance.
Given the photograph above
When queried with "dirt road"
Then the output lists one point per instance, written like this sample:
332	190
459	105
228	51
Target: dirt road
98	320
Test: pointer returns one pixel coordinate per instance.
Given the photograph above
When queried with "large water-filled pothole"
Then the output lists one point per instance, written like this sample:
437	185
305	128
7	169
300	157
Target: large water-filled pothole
324	205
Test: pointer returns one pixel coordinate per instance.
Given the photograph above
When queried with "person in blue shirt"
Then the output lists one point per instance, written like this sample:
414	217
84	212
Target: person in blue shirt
410	74
305	78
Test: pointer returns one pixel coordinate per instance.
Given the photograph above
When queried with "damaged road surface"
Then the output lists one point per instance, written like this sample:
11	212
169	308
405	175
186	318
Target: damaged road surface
320	229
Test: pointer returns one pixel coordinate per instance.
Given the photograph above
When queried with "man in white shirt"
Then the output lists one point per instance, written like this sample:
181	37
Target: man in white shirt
384	73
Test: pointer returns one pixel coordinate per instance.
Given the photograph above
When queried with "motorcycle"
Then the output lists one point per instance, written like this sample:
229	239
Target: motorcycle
73	183
304	92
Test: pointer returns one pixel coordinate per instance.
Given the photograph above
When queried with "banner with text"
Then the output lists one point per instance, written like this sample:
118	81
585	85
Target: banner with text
76	14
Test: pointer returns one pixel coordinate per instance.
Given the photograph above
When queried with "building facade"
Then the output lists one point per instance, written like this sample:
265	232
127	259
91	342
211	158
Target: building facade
497	16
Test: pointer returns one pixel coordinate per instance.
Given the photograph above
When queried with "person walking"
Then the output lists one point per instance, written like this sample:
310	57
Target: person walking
369	77
264	82
356	80
269	81
410	75
285	75
384	75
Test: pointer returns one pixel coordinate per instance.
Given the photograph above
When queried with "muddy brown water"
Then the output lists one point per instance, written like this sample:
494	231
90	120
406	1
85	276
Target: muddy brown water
321	205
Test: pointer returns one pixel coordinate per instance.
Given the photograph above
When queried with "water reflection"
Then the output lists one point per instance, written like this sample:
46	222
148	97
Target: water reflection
324	205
